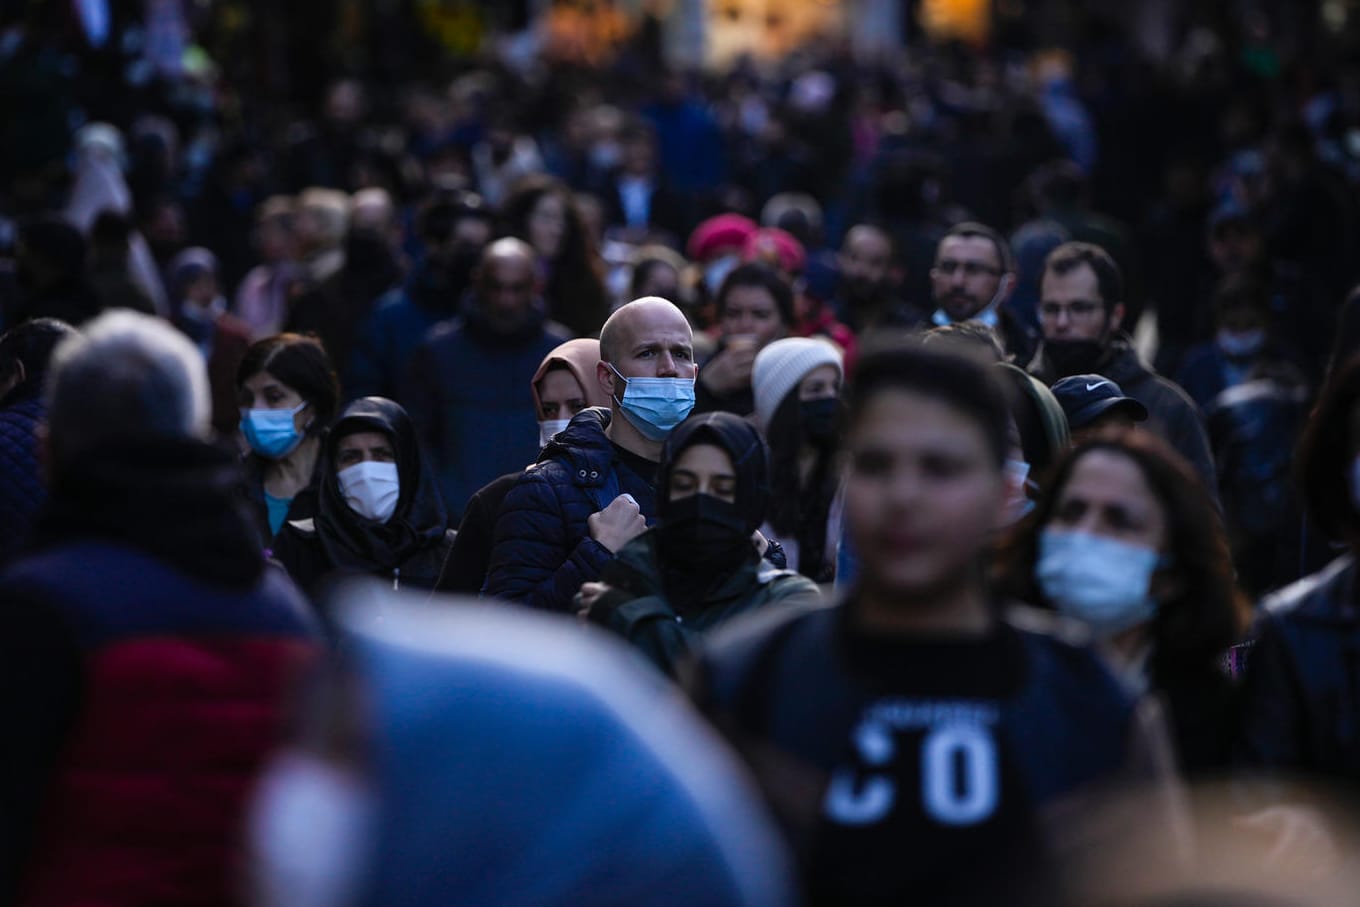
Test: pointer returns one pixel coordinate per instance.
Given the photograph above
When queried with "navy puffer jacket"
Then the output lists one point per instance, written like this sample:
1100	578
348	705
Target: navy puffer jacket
542	550
22	492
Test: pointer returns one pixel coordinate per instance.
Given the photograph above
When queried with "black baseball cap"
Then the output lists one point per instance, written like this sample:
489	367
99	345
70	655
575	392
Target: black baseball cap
1085	398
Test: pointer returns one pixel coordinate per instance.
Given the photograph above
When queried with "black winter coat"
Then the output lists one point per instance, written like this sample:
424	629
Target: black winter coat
1301	708
22	491
542	550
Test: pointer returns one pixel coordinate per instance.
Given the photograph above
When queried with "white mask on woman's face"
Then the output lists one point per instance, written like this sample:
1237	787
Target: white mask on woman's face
371	489
310	834
1103	582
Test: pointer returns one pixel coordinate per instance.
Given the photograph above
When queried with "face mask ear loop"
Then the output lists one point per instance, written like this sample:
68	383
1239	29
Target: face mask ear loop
618	398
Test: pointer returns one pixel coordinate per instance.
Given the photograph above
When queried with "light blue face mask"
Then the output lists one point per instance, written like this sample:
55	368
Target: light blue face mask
654	406
271	432
1102	582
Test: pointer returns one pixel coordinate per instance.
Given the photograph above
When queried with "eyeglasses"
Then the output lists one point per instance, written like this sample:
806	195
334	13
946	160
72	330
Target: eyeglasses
1077	311
948	266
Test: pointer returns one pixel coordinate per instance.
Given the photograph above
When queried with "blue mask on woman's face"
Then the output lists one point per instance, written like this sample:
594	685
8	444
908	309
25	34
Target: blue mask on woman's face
654	406
1103	582
271	432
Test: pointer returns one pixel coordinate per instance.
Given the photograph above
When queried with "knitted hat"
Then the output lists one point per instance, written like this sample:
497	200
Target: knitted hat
726	233
781	366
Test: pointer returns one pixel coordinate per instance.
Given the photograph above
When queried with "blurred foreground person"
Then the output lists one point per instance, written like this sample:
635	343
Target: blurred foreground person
699	567
912	737
485	757
1302	702
25	352
378	509
1127	542
146	648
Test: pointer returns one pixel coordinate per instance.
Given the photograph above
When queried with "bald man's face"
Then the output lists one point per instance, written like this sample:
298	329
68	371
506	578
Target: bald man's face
506	292
655	341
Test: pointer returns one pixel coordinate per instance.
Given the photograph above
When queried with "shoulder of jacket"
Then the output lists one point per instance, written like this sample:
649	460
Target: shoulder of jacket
1318	595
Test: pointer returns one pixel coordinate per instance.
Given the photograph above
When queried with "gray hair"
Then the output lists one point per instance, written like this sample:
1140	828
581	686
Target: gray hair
127	378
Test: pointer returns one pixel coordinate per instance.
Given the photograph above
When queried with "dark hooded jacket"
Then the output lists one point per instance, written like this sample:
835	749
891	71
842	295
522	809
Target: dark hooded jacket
542	550
410	549
656	599
21	489
1172	415
145	654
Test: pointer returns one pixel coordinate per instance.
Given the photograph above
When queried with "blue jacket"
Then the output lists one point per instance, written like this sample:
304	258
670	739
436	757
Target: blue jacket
22	492
469	396
542	550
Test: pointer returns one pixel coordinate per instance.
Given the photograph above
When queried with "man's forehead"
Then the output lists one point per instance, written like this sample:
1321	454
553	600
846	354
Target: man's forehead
656	324
969	248
1079	283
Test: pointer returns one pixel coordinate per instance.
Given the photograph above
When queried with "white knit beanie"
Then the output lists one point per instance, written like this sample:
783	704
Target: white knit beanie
781	367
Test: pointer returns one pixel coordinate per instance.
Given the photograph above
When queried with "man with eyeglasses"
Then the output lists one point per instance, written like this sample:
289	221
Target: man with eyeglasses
973	276
465	385
1081	315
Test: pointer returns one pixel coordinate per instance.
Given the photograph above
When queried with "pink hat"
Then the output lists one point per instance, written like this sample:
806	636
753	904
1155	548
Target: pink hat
776	247
724	233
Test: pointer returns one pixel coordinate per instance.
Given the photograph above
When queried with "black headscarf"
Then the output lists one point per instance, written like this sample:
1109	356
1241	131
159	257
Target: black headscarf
702	539
419	520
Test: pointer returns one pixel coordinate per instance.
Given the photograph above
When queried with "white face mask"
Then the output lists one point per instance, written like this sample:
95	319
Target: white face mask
1102	582
549	427
310	832
371	489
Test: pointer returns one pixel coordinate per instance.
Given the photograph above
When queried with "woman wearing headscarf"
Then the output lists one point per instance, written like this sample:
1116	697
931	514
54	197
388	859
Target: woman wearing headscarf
379	512
699	566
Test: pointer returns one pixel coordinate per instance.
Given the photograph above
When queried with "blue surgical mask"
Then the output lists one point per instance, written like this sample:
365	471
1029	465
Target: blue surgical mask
654	406
1102	582
549	427
271	432
1241	344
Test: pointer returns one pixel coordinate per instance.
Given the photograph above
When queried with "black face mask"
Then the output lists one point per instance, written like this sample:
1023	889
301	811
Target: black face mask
704	533
821	419
1074	357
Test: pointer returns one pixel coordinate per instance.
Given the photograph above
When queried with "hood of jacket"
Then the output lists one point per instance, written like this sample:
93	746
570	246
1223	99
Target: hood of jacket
741	442
420	518
180	501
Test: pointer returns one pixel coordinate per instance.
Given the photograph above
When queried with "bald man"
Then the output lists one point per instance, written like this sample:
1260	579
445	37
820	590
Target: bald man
465	388
592	489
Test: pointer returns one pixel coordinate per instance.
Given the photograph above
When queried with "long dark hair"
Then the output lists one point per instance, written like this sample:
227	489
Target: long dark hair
1322	461
575	289
798	511
1208	614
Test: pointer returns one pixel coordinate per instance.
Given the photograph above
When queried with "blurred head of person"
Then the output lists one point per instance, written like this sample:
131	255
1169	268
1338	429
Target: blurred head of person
288	393
865	261
378	502
25	353
1327	462
656	272
507	286
565	384
322	220
192	282
454	228
1237	243
1081	308
637	149
716	246
797	214
972	275
125	380
713	480
1128	542
1242	319
542	211
275	236
926	438
755	305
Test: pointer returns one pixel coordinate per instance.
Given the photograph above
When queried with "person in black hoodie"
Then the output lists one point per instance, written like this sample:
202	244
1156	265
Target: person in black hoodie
145	647
378	513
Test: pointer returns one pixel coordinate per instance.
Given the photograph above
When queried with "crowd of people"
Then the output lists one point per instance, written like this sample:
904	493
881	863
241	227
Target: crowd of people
933	479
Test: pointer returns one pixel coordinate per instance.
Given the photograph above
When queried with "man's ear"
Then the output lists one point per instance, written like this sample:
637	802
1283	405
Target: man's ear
606	377
1116	317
